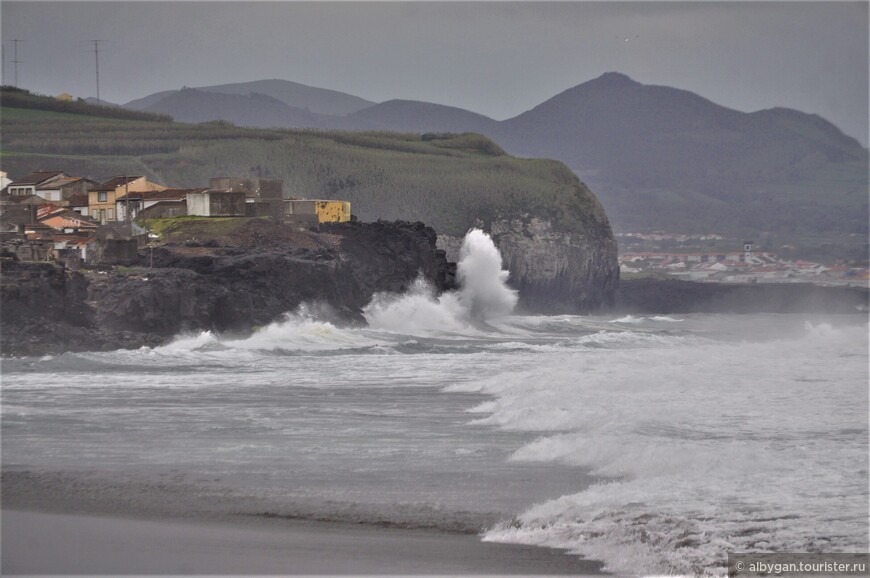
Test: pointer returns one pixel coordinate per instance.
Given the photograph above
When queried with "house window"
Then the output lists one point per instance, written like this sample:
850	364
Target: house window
95	214
111	214
102	197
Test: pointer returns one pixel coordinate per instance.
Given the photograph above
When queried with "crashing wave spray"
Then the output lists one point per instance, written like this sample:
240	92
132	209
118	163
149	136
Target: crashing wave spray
482	280
483	294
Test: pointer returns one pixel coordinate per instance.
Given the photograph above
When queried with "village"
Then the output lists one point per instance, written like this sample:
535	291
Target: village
55	216
748	265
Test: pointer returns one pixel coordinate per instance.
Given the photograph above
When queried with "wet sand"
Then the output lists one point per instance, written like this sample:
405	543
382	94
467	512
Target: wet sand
48	543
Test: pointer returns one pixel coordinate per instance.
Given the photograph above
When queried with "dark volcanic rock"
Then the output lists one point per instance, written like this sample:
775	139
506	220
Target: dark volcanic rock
215	285
554	272
385	256
46	309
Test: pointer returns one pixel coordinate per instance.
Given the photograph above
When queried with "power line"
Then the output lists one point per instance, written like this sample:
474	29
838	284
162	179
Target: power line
97	61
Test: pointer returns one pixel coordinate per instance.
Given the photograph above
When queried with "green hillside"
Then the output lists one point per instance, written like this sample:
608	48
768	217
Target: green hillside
448	181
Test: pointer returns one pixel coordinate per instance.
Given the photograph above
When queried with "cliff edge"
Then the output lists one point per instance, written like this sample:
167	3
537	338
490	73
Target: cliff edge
202	281
554	271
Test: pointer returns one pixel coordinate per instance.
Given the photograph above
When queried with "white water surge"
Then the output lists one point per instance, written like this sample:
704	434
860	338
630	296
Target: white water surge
483	295
705	447
656	444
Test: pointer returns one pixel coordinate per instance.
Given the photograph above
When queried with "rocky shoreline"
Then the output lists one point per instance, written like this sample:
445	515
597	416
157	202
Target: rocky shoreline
234	284
230	286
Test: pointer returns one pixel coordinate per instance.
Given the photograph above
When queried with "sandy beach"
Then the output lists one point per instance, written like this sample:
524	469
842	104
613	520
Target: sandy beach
100	523
47	543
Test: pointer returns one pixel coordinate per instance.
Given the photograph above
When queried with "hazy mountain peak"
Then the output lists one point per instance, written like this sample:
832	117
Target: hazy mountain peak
614	79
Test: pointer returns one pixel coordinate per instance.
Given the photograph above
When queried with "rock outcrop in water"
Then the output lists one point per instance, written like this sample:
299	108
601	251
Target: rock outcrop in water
554	271
233	283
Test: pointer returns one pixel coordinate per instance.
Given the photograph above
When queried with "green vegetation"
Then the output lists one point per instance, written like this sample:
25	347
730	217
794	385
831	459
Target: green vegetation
449	182
12	97
645	275
170	228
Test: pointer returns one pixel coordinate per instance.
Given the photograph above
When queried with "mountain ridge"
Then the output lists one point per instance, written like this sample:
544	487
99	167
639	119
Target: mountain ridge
294	94
659	157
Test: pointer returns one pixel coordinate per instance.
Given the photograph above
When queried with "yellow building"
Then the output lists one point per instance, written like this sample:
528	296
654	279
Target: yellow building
101	199
65	96
326	211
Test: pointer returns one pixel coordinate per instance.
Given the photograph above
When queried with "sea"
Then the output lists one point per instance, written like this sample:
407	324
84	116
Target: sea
654	443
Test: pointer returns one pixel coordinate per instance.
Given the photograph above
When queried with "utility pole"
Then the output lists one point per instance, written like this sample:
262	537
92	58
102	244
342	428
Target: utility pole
127	210
97	61
15	60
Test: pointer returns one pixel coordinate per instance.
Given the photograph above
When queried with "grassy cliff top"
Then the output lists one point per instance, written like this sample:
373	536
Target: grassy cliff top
449	181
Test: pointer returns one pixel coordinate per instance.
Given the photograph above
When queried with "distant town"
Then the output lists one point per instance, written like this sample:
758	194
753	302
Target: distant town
744	264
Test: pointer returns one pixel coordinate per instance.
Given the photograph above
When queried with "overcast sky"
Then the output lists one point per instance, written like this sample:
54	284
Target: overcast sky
497	59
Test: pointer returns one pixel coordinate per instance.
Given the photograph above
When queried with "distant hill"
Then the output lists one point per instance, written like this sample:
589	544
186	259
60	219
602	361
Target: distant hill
12	97
415	116
146	101
668	159
659	158
317	100
450	181
252	110
93	100
293	94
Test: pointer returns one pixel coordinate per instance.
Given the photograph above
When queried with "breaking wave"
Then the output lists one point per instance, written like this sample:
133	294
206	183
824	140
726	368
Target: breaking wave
394	320
702	448
483	295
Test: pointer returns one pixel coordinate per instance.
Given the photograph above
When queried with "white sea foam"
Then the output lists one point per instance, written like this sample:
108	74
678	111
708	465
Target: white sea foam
417	312
187	342
299	331
631	319
707	448
483	295
666	319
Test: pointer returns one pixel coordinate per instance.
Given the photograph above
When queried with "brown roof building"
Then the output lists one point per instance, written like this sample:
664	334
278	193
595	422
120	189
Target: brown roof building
102	198
175	199
27	185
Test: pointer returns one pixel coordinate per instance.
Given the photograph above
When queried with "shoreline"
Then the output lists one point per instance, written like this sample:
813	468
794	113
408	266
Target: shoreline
53	543
94	523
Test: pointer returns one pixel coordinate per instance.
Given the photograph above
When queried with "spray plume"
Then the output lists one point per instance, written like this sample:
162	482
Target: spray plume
483	294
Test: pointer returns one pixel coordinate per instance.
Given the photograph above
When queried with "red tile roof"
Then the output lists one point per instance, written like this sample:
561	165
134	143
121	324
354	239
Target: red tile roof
68	218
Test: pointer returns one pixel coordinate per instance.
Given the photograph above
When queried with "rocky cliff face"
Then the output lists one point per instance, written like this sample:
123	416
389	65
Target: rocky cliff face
554	271
230	284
